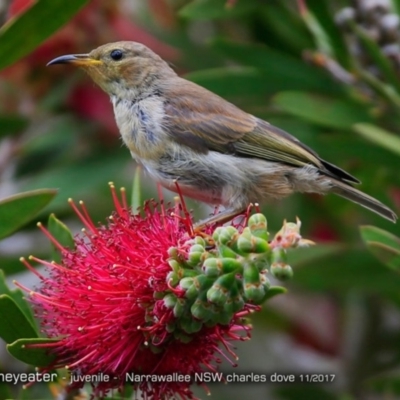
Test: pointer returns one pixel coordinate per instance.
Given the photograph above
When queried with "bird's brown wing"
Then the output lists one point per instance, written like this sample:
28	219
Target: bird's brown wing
204	121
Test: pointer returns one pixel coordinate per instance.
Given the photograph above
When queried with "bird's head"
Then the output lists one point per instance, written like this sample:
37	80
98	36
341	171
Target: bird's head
120	68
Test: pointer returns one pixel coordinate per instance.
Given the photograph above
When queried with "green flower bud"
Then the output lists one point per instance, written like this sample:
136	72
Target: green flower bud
179	333
173	252
173	278
260	261
171	326
222	318
225	235
226	251
265	281
217	266
170	300
188	325
254	290
199	284
251	275
186	283
195	255
219	291
193	326
281	271
188	273
225	318
248	243
212	267
235	301
175	265
200	241
201	308
158	295
179	307
258	226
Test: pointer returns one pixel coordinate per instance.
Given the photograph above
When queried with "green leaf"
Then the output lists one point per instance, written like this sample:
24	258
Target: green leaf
14	324
10	124
324	15
5	392
18	298
319	33
62	234
385	90
340	270
37	356
283	27
384	245
22	34
379	136
278	67
17	210
216	9
387	382
80	179
303	392
396	6
246	85
324	111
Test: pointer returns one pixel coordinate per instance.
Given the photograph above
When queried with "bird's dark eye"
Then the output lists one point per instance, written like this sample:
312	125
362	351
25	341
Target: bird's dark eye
116	54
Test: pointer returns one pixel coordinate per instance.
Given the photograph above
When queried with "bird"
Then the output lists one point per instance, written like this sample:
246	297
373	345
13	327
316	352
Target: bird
189	137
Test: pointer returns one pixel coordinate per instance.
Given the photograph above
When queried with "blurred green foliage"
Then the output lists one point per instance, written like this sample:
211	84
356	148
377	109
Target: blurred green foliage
326	71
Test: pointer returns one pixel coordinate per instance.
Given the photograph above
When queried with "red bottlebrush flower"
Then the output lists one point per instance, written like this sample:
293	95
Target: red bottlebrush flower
105	302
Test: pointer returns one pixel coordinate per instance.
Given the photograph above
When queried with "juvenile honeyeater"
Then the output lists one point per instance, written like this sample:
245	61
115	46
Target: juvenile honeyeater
218	153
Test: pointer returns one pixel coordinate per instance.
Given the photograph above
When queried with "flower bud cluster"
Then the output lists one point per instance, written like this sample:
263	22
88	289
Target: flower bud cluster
214	278
376	19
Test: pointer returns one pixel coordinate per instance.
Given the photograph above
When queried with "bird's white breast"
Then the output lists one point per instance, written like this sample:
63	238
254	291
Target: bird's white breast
141	125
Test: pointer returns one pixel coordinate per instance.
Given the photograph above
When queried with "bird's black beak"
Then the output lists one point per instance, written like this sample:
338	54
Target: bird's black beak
81	60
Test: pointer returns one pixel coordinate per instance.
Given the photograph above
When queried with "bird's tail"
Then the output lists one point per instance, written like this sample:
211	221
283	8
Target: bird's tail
355	195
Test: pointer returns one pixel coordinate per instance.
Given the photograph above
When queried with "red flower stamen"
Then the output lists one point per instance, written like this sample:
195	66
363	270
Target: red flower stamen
104	302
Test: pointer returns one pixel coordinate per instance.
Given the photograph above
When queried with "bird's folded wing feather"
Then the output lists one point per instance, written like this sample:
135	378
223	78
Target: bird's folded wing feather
204	121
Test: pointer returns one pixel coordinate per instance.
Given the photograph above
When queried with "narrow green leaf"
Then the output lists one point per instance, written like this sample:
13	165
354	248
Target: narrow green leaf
22	34
384	245
14	324
345	269
18	298
37	356
379	136
231	82
386	382
324	15
10	124
278	66
17	210
216	9
324	111
385	90
62	234
318	30
136	195
285	30
396	6
80	179
5	391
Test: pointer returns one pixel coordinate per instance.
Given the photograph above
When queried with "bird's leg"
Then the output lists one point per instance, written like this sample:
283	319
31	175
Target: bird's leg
219	218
